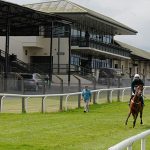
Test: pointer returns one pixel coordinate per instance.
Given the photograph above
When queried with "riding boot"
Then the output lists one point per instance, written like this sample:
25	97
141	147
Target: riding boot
142	101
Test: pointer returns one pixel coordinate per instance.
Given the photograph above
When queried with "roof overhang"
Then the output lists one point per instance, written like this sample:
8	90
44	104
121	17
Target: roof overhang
23	21
98	24
83	16
137	58
136	53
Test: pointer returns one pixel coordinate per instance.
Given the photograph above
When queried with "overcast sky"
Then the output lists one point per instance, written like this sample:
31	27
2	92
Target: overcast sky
133	13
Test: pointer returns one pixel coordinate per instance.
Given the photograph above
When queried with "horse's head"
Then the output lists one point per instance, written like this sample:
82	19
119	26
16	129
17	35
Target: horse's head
139	90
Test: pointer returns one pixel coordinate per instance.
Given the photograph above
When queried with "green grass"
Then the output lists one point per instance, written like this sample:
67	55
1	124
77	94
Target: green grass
99	129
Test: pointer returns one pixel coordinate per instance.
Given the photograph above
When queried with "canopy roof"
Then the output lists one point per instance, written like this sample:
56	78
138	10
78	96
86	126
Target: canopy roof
22	20
136	53
82	15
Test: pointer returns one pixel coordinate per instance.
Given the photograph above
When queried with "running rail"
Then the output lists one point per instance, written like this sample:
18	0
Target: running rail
45	96
129	142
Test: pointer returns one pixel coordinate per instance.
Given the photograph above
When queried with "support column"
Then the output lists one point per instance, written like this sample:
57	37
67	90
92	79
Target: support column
69	42
6	69
58	54
51	60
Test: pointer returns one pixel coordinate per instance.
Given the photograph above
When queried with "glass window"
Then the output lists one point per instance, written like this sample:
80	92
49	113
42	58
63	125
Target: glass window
75	59
75	33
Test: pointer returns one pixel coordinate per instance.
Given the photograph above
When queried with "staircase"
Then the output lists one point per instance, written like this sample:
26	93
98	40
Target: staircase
16	65
85	73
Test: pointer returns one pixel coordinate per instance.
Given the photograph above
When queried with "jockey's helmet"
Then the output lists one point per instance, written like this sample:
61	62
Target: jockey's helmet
136	76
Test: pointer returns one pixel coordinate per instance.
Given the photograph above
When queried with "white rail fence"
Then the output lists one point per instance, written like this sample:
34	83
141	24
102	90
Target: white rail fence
129	142
67	95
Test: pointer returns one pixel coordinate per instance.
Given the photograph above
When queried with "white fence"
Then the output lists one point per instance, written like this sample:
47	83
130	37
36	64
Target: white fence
44	97
129	142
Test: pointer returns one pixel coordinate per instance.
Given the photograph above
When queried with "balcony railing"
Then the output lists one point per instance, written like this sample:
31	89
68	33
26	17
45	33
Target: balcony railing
111	48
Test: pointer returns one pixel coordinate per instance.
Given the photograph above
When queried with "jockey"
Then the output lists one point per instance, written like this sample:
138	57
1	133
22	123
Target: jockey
137	81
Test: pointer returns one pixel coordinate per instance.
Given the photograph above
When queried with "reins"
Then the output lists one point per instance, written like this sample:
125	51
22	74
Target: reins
135	102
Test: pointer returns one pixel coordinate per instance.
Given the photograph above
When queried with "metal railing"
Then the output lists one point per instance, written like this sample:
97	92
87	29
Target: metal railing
111	48
129	142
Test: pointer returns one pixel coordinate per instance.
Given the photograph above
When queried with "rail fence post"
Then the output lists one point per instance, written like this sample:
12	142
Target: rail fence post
0	103
108	92
23	99
61	97
98	96
123	94
61	91
129	147
94	94
79	90
143	144
111	95
118	93
43	104
43	98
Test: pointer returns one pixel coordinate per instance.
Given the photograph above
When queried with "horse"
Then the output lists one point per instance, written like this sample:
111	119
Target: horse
136	105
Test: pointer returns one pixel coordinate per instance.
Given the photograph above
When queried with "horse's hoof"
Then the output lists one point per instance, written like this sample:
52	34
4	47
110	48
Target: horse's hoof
141	122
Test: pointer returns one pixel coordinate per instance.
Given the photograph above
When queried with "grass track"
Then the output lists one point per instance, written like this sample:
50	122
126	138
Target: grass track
99	129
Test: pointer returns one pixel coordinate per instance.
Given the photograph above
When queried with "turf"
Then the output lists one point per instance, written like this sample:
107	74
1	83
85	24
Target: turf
99	129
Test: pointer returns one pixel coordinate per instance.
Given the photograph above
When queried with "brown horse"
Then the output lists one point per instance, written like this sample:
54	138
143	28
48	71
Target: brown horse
136	105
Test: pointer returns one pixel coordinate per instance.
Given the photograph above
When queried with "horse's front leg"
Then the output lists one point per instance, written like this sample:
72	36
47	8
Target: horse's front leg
127	118
135	117
141	113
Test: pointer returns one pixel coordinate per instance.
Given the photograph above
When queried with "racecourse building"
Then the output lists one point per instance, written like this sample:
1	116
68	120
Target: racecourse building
82	42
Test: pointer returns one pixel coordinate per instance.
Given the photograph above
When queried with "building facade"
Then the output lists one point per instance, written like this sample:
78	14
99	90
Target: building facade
85	45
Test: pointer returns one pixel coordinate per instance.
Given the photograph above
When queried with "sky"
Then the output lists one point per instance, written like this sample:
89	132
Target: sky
133	13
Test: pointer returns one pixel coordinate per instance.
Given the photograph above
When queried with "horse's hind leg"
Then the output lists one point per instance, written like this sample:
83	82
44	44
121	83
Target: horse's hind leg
134	123
127	118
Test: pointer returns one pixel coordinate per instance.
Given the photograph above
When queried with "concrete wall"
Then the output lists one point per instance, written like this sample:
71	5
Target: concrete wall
37	46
